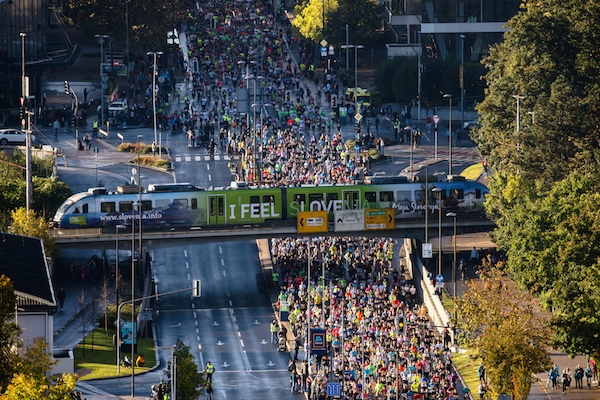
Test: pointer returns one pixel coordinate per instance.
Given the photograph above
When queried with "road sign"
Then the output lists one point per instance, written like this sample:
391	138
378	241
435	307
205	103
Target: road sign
323	51
333	389
323	43
379	218
349	220
312	221
116	63
439	278
331	50
318	344
427	250
358	117
439	285
436	119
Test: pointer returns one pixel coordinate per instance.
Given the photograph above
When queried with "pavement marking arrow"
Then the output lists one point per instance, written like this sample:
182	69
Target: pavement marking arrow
215	323
270	364
263	341
225	365
175	326
256	322
219	343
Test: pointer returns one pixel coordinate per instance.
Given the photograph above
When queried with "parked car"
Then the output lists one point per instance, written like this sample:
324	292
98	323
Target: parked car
470	124
118	105
14	136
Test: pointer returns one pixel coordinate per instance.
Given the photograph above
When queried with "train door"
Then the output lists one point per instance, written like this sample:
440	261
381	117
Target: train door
216	209
351	199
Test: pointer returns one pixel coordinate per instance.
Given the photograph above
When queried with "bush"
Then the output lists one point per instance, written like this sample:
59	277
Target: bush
144	148
152	162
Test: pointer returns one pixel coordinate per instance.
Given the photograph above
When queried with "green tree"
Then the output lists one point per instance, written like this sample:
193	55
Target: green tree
36	387
190	382
30	224
9	332
497	320
309	17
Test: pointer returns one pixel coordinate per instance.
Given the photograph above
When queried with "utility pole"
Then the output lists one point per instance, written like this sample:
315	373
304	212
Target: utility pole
24	94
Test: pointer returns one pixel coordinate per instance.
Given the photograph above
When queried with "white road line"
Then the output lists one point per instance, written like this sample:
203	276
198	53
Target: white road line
194	314
242	343
197	158
228	294
199	347
222	262
217	158
208	167
196	323
188	277
230	303
197	330
206	158
185	253
224	273
220	250
188	158
198	338
187	265
193	306
239	334
177	159
226	158
209	177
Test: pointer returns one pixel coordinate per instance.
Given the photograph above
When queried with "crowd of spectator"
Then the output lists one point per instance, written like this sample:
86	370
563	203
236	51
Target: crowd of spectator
381	342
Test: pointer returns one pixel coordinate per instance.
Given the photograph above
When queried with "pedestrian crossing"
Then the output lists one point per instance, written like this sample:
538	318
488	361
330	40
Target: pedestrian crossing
216	157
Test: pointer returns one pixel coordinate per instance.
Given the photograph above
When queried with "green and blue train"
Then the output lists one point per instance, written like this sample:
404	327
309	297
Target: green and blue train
183	205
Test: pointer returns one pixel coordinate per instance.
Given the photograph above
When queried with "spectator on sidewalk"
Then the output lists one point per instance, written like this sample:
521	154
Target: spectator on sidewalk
61	298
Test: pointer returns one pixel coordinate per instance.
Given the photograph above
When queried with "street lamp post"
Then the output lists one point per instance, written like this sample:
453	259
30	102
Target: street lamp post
462	82
419	77
173	370
154	54
449	97
117	272
24	93
127	35
308	260
453	215
133	328
438	193
101	39
426	201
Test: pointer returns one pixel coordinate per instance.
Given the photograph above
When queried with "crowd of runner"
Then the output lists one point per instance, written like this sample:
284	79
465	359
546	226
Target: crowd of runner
230	45
381	340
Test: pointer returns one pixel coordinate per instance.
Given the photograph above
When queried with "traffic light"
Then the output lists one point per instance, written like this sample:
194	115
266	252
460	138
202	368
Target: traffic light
402	324
22	116
280	34
288	95
333	101
66	87
197	289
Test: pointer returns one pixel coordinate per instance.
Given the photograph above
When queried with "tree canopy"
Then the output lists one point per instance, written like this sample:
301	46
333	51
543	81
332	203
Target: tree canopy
545	194
361	16
497	320
9	332
190	382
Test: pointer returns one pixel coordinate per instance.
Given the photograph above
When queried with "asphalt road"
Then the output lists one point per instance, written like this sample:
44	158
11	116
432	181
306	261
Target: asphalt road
228	325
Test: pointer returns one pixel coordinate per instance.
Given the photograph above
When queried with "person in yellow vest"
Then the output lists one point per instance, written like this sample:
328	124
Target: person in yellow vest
210	370
390	255
274	331
95	129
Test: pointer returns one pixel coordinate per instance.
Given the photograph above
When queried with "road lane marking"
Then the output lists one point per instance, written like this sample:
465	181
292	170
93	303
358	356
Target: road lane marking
185	253
197	330
217	158
224	274
209	177
230	303
242	342
197	158
222	262
199	347
188	276
244	355
187	265
188	158
194	314
177	159
198	338
220	250
175	326
239	333
208	167
196	323
206	158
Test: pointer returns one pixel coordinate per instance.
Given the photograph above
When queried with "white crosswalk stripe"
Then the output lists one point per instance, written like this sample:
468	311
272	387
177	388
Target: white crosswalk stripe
216	157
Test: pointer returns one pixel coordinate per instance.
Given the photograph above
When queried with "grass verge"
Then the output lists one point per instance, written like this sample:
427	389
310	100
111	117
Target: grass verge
467	365
152	162
101	361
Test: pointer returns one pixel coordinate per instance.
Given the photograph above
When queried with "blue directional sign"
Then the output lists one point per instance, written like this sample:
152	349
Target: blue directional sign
334	389
439	278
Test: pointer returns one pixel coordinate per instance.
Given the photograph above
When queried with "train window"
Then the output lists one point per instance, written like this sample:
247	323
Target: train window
180	204
126	206
439	195
331	197
477	193
403	195
420	196
194	203
162	204
457	194
213	206
108	206
315	197
386	196
299	198
76	210
146	205
85	208
371	197
269	199
254	199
